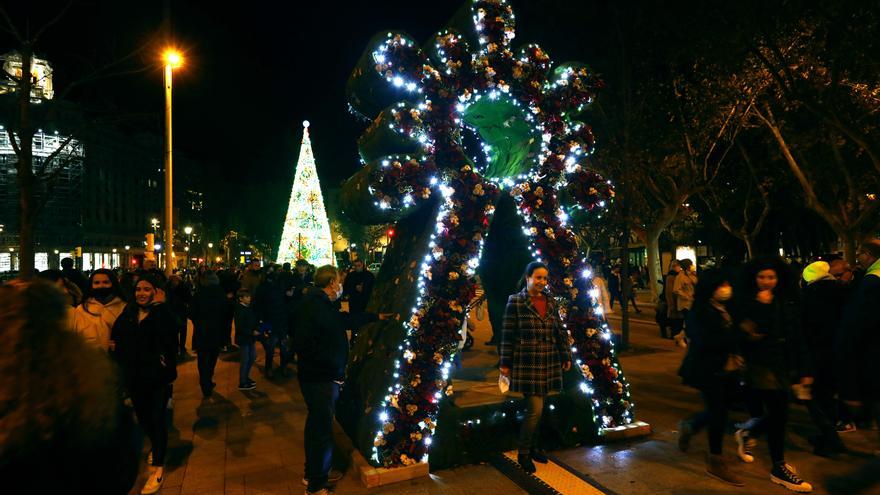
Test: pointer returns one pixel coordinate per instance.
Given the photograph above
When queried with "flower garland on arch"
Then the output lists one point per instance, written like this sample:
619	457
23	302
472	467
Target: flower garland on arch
437	89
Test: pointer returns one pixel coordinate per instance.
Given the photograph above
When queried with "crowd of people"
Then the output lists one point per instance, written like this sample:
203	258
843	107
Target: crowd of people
757	335
123	334
764	335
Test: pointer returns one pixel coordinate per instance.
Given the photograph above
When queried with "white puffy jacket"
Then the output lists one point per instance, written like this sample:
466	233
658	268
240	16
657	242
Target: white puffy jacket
94	320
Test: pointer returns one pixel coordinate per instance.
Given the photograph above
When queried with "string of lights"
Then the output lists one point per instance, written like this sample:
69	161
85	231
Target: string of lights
450	92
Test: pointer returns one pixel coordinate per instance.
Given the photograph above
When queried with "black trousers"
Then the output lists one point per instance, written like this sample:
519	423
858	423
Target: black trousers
181	336
207	361
773	408
823	408
320	400
149	407
716	401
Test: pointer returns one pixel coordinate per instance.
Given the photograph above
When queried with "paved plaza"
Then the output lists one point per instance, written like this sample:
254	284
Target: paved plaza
251	442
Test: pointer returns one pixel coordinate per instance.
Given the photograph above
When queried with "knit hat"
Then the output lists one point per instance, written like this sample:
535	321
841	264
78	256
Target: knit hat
816	271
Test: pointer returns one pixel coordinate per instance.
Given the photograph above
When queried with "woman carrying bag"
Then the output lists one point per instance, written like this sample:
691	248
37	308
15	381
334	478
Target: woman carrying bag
534	353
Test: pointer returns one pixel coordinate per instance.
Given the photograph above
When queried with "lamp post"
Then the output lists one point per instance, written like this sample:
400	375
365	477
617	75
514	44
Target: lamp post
172	60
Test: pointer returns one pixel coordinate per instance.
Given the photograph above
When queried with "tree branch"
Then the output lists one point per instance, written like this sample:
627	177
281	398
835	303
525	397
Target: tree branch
10	27
45	165
15	148
97	73
52	22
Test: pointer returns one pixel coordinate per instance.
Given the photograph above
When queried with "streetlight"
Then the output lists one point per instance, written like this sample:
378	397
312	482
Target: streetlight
172	59
188	230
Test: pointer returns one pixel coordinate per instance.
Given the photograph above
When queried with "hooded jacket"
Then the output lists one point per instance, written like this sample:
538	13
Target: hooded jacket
93	320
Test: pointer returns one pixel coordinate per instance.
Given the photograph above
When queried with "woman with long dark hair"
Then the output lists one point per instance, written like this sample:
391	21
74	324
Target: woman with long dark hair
776	357
144	343
534	353
102	304
710	366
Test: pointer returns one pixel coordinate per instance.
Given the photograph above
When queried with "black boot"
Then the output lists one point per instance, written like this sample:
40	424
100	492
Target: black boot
525	462
538	456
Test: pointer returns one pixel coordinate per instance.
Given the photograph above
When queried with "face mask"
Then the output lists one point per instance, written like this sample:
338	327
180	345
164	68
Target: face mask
724	293
103	293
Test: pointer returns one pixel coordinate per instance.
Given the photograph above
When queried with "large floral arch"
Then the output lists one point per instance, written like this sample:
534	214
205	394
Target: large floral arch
521	112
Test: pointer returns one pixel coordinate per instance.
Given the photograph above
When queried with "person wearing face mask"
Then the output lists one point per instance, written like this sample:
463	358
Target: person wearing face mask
534	353
102	305
711	366
321	345
144	344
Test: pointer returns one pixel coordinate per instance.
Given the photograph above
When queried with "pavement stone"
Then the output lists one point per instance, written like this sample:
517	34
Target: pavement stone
252	442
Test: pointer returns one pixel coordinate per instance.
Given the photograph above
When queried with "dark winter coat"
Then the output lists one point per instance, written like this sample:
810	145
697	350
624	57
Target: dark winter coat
858	343
780	354
712	339
207	314
180	298
320	341
822	304
246	324
146	350
357	300
533	347
271	307
614	284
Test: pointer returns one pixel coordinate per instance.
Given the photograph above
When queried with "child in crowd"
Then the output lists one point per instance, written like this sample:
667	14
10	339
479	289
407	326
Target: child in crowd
247	328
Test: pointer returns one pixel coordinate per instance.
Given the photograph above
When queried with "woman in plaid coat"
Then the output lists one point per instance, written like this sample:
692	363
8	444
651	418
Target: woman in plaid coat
534	353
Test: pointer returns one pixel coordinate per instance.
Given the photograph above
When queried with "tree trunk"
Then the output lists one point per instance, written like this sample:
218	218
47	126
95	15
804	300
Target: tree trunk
667	215
624	284
749	242
849	239
655	267
25	170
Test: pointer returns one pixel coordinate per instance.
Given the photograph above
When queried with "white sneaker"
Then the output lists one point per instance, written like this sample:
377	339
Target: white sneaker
783	475
154	482
742	446
680	340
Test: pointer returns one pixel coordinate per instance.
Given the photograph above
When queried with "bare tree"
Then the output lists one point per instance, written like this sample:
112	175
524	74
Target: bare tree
742	207
40	175
819	100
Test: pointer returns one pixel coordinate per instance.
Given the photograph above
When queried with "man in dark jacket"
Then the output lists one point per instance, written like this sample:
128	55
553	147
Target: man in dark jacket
271	311
208	316
858	341
358	287
856	363
74	275
322	351
822	305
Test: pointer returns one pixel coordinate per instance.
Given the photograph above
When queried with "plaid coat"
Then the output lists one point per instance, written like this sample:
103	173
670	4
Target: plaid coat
533	348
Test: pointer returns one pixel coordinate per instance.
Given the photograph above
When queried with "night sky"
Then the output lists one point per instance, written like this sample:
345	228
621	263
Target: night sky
254	71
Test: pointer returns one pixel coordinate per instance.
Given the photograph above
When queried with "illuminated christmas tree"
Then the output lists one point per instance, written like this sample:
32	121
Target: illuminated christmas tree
306	233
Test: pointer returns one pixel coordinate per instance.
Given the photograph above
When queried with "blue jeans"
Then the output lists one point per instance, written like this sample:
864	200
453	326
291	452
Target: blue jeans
247	356
270	342
320	400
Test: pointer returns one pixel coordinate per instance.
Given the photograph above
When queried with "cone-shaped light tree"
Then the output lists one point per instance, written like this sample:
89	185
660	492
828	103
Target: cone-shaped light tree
306	233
